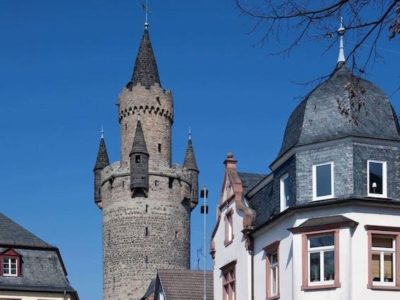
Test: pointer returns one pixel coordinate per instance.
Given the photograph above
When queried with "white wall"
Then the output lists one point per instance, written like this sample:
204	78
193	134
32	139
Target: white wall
34	296
353	252
234	251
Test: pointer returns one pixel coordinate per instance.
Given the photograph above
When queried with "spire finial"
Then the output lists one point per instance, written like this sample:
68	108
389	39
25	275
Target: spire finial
190	133
341	31
102	132
146	11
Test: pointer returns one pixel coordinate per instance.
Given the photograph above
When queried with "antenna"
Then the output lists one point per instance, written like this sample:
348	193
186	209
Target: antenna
190	133
204	211
146	11
102	132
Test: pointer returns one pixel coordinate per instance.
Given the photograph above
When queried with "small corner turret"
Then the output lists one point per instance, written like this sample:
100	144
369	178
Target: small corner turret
102	161
191	165
139	164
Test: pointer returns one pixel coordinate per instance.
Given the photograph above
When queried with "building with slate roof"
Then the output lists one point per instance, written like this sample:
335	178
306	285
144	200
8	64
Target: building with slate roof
145	199
324	222
30	268
183	284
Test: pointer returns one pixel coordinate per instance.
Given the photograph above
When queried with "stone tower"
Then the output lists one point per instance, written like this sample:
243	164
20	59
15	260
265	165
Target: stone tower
146	201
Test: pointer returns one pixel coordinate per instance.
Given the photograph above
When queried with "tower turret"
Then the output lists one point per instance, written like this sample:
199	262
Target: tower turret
102	161
139	164
191	165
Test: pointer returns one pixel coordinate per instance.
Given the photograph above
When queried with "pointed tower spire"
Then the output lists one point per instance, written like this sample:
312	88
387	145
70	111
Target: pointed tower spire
341	31
102	160
139	143
190	159
145	71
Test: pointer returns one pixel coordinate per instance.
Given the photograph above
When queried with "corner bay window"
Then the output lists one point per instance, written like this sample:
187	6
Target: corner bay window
323	181
228	281
376	178
284	192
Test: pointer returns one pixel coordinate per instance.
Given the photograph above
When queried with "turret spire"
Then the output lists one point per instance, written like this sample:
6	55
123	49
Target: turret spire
341	32
190	159
145	71
139	164
102	160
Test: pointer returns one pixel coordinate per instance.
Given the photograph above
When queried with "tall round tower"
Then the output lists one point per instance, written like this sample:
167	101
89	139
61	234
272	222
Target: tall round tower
146	201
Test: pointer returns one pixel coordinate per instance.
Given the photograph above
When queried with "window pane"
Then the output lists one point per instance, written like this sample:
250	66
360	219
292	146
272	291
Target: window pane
273	259
320	241
286	190
376	267
324	180
375	178
329	265
314	267
274	281
388	267
382	242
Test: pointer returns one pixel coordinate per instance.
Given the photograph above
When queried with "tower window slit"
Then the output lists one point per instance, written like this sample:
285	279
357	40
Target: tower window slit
159	148
170	182
137	159
146	232
147	208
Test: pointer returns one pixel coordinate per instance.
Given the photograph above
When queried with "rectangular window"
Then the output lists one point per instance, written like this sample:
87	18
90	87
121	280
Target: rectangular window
377	178
228	284
9	266
284	187
383	256
323	181
321	259
272	258
137	159
228	227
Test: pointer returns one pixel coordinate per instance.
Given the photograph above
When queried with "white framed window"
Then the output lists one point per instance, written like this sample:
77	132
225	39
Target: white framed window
377	182
323	181
321	259
274	274
10	266
383	260
284	191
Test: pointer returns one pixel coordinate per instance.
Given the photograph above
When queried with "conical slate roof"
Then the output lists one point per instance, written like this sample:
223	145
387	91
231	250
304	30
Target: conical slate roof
145	71
190	159
102	160
344	105
139	143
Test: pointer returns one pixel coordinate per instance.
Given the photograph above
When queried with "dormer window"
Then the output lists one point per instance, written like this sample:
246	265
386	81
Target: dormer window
10	263
284	187
9	266
377	178
323	181
137	159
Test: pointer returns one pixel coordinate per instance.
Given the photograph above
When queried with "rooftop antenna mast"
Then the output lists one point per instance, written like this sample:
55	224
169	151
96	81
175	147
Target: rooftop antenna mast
146	11
341	31
204	211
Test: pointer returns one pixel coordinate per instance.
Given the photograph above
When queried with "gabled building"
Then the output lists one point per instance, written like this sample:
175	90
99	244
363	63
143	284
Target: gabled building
325	222
30	268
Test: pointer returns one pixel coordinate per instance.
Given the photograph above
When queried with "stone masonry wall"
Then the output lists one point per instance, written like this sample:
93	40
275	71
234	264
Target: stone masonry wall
155	107
141	235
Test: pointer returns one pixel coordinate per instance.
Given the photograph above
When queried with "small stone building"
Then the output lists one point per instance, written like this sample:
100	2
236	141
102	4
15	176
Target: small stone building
30	268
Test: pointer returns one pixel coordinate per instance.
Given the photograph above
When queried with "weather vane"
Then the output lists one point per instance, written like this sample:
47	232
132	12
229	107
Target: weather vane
102	132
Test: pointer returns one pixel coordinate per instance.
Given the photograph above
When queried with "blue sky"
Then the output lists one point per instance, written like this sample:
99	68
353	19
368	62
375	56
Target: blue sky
62	65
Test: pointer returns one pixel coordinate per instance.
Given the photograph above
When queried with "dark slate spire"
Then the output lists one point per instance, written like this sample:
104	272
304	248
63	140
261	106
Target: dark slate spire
145	71
190	159
102	160
139	143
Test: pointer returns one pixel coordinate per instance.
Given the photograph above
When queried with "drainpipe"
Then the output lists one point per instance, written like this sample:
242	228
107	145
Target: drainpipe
251	250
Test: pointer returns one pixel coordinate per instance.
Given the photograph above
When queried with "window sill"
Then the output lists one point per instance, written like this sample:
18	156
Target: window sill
384	287
320	287
273	297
